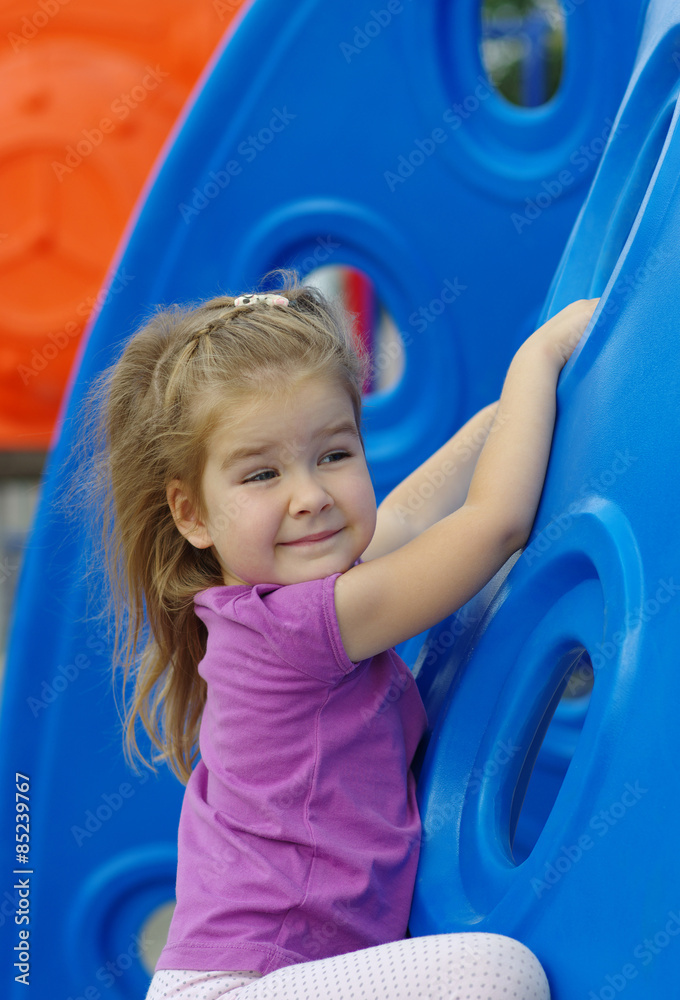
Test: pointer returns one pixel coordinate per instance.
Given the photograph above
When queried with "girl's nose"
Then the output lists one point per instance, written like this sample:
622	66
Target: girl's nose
308	496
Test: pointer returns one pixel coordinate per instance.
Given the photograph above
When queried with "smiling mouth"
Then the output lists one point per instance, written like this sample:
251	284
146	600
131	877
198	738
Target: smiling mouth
314	539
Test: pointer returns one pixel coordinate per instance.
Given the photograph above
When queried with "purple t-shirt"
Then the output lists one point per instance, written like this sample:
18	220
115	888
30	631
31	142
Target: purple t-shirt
299	832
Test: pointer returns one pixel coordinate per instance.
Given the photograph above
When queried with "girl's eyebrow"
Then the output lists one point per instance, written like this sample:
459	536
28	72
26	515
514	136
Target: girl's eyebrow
259	450
250	451
346	427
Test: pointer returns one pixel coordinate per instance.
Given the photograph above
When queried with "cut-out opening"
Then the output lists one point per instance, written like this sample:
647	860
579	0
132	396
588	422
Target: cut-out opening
550	754
630	200
581	680
522	48
154	934
373	326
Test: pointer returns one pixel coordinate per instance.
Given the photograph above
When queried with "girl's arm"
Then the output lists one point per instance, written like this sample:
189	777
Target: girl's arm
396	596
436	488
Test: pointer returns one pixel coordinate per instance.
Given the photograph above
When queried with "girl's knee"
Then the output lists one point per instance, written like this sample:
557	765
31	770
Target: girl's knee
521	962
501	958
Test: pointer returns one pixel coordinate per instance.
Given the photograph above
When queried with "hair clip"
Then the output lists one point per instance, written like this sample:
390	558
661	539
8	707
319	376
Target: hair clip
269	299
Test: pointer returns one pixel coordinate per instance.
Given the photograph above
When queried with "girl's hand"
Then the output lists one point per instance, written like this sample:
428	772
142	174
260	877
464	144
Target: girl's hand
401	593
563	332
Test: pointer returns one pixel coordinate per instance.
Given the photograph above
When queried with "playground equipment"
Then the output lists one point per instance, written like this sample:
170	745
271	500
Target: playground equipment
596	896
89	93
377	142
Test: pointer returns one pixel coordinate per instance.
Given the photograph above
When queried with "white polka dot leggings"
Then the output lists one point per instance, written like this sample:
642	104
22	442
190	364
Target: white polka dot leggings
467	966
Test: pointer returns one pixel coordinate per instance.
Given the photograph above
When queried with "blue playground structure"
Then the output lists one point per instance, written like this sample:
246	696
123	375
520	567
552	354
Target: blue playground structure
546	780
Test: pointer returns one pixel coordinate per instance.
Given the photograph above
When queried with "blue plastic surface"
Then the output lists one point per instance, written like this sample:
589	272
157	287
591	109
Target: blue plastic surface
597	897
317	138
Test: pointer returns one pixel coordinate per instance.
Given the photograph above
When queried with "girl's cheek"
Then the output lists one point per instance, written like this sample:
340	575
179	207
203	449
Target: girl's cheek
256	511
231	508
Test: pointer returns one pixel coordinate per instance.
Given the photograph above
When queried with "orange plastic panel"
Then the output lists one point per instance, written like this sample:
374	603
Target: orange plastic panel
89	90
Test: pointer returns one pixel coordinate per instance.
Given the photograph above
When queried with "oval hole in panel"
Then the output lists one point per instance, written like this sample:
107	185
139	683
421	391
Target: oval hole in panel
154	934
630	200
522	48
552	751
373	325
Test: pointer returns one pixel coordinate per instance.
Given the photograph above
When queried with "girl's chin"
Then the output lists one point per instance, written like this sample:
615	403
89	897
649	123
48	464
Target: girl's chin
302	572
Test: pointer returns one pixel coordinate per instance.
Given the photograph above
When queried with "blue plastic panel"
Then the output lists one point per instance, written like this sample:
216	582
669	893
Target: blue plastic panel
596	898
320	130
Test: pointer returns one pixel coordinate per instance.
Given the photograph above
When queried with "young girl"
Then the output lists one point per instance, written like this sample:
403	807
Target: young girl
243	527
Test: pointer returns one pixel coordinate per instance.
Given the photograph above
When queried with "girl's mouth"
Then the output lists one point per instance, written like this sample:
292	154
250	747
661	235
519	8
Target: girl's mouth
314	539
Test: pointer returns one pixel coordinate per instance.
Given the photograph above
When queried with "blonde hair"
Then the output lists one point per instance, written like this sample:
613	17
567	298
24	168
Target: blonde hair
156	408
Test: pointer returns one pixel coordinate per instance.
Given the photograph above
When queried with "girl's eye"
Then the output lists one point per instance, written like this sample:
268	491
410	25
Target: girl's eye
260	477
335	456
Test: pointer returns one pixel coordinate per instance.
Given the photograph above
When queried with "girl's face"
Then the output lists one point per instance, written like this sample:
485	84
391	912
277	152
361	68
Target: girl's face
286	489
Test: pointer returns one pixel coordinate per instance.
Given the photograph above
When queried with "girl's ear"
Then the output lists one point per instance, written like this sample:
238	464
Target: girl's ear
184	515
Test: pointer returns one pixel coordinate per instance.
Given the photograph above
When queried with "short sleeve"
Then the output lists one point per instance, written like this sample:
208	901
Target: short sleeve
300	625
